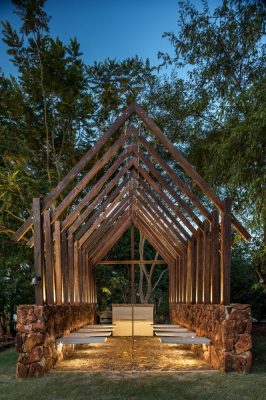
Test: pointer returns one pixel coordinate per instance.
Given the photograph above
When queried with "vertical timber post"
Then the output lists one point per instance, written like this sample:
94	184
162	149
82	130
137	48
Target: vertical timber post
207	270
226	238
38	249
132	269
193	269
49	260
215	258
58	262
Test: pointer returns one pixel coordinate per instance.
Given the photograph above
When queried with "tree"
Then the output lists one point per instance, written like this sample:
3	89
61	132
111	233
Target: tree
147	274
217	114
50	114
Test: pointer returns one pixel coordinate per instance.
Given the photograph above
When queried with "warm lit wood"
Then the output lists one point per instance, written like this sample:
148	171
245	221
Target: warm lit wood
226	239
49	259
38	249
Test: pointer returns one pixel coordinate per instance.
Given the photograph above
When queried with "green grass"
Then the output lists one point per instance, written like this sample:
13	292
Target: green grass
156	386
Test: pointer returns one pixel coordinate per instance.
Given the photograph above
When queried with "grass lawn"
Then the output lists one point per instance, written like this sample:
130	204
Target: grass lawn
146	386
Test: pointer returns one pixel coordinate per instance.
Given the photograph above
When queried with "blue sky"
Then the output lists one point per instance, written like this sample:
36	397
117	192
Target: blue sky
114	28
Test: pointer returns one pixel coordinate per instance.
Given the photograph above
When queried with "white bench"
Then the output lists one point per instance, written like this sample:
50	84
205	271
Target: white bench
76	340
175	340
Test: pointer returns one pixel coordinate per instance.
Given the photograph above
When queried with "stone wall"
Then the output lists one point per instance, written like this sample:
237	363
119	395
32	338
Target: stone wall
228	327
38	327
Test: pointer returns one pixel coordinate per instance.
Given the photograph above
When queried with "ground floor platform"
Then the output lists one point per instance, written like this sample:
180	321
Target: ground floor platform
127	354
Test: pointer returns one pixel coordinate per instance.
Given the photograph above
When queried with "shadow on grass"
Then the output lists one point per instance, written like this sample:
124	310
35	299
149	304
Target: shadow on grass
140	386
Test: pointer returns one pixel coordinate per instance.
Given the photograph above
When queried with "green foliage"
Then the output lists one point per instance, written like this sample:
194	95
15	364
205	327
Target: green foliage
57	107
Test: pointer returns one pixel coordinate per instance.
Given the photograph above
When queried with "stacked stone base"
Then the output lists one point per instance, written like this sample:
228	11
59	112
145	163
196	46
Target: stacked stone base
38	327
228	327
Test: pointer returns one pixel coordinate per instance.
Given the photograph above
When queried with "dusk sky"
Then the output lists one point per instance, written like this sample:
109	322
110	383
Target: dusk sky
104	28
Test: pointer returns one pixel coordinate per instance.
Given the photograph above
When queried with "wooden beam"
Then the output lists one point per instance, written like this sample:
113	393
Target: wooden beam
119	231
114	214
65	268
226	239
58	262
145	200
49	268
190	170
152	223
131	262
164	183
132	269
76	273
178	182
122	196
199	279
193	269
154	240
75	214
164	197
70	249
215	258
157	200
92	172
49	199
38	249
101	209
207	262
157	218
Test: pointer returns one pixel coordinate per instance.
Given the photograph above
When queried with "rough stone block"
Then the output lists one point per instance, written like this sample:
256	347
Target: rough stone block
243	343
36	369
21	371
33	340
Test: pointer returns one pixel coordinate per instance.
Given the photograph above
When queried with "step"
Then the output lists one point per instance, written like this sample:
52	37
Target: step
196	340
166	326
100	326
171	330
96	330
176	334
72	340
89	334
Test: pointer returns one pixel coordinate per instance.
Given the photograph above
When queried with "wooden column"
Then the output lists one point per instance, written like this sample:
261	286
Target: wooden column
174	283
199	290
180	280
70	250
226	238
49	268
193	269
132	268
184	278
80	275
189	274
85	278
206	262
58	262
177	280
38	249
76	273
215	258
65	268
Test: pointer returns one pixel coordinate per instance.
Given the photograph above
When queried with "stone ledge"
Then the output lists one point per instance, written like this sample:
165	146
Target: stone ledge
38	327
228	327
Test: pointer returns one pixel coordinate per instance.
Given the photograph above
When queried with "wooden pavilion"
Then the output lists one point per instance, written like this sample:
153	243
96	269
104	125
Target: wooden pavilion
78	222
121	182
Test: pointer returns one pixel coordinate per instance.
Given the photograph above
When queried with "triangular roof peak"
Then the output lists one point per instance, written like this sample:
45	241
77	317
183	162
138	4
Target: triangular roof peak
133	108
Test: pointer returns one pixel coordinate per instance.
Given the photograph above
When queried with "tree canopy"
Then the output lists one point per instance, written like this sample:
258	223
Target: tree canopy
56	107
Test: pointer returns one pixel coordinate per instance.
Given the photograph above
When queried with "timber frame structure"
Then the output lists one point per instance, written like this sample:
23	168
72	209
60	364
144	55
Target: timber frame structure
78	222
